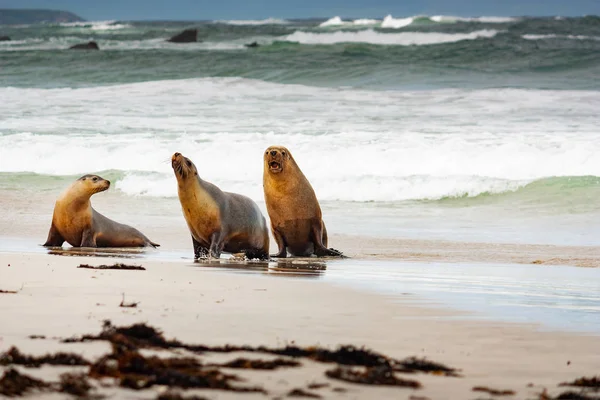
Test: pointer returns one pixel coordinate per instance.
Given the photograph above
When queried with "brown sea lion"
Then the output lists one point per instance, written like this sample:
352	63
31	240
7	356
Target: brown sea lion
293	208
76	222
219	221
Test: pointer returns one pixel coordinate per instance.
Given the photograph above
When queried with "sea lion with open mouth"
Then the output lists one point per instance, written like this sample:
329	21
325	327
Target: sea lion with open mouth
219	221
296	220
76	222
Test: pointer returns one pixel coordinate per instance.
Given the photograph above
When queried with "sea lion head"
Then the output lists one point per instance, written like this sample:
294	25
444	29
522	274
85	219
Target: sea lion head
277	159
93	183
183	166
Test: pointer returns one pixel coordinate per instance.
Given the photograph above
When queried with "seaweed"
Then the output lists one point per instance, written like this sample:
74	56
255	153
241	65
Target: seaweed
8	291
244	363
178	396
14	357
593	382
318	385
128	305
118	266
379	375
414	364
302	393
134	371
493	392
568	395
13	383
76	385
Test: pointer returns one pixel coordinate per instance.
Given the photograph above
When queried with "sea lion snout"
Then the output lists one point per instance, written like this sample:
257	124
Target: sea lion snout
274	157
182	166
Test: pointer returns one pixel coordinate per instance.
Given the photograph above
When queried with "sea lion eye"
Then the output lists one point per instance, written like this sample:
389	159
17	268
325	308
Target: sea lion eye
95	179
189	163
283	152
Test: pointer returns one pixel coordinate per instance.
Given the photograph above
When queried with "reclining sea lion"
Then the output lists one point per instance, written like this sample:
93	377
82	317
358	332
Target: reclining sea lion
76	222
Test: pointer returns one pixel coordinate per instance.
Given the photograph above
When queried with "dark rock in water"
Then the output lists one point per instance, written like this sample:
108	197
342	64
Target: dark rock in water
86	46
187	36
253	44
4	38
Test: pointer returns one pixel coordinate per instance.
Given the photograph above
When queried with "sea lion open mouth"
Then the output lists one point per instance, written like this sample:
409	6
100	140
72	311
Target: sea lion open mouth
274	166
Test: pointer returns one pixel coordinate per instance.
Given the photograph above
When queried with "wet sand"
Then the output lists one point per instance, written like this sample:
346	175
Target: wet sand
276	304
204	305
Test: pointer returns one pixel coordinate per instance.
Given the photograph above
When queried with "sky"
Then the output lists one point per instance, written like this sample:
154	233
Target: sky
259	9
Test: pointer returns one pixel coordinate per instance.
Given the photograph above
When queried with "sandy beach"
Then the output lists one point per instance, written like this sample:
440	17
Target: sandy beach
213	305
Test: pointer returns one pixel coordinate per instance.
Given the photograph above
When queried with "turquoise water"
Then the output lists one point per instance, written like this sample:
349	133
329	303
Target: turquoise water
546	53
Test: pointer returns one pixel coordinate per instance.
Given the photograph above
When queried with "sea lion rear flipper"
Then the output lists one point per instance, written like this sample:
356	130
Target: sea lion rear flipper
320	242
325	240
280	244
54	238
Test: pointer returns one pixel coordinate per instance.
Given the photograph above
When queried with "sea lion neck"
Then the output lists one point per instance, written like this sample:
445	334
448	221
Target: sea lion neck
76	197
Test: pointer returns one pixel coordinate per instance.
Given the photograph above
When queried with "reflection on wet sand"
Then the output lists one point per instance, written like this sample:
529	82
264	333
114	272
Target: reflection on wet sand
303	267
98	252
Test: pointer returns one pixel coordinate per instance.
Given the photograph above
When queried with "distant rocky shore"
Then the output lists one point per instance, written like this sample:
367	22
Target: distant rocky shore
31	16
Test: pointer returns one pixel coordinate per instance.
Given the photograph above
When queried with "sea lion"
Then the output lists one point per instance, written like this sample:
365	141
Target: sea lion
296	220
76	222
85	46
218	221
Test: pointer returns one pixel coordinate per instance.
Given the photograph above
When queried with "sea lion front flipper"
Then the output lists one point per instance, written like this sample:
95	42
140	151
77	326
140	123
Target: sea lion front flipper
216	245
280	244
55	239
199	250
88	238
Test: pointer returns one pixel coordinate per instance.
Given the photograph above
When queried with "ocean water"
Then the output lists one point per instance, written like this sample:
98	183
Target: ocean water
436	127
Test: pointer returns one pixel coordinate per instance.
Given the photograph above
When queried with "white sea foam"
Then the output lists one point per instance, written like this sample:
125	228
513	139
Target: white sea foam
64	42
96	25
374	37
335	21
366	21
352	145
557	36
390	22
492	20
395	23
487	20
268	21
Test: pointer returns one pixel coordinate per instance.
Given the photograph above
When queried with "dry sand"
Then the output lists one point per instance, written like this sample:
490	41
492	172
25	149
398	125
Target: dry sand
214	306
